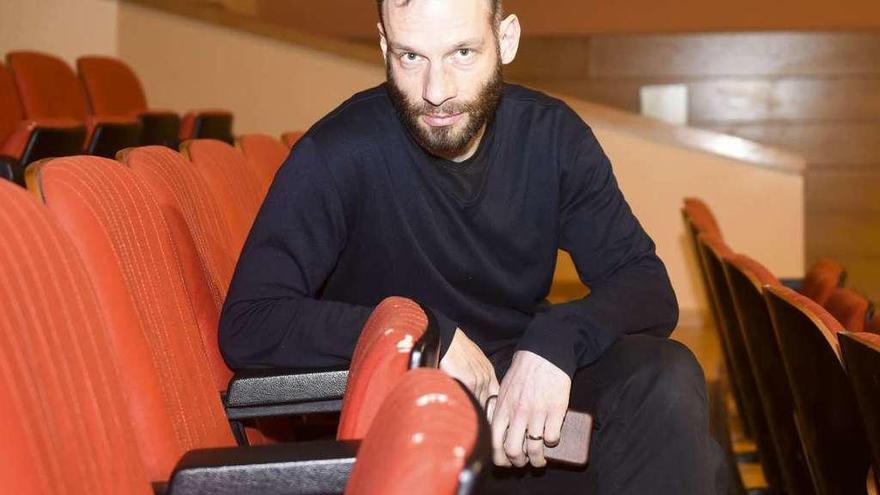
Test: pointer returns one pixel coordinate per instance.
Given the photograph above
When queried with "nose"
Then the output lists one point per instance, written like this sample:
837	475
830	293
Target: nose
439	85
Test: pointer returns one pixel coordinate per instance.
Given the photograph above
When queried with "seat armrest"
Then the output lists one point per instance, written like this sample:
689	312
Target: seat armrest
159	127
280	392
302	468
7	166
108	135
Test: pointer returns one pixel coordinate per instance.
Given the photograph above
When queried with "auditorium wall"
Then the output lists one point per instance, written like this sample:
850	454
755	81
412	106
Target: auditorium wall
68	28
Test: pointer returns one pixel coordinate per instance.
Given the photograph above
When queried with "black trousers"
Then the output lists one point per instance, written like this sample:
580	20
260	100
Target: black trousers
647	396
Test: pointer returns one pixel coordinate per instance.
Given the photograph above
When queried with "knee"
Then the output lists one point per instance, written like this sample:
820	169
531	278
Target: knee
670	382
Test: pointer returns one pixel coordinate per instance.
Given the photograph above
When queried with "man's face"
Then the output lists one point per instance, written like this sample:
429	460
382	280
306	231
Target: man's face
444	71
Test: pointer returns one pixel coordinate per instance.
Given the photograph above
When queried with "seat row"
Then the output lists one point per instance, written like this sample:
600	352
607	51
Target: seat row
45	110
810	408
110	359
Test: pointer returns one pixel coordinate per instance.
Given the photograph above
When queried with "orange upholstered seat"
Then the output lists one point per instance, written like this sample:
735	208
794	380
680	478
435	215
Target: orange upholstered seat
701	215
114	89
850	308
184	198
24	140
715	253
290	138
119	230
63	416
432	440
49	89
822	278
264	155
381	359
825	408
236	188
747	279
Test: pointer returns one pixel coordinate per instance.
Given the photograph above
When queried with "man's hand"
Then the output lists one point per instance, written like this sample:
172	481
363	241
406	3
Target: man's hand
532	403
465	362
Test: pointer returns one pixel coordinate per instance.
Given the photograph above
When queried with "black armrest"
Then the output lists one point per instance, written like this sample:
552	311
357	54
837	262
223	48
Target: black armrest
279	392
109	135
792	283
160	127
321	467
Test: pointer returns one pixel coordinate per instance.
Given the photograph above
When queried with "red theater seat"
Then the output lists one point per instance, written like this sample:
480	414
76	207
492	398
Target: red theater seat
113	88
182	193
714	253
821	279
825	408
264	155
395	338
23	141
236	188
63	418
701	215
432	440
49	89
850	308
747	278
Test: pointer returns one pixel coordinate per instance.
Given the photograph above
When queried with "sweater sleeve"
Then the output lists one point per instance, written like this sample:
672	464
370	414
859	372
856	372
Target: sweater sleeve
272	316
630	290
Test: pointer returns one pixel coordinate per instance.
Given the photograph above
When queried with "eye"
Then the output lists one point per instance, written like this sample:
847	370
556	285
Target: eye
410	58
465	52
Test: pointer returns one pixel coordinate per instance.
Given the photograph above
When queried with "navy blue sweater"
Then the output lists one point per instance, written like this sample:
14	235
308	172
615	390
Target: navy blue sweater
359	212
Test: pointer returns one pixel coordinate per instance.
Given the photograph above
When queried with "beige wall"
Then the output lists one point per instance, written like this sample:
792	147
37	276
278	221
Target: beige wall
68	28
273	86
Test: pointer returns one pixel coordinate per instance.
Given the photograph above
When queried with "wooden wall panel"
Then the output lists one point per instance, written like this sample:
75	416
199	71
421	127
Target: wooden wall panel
735	54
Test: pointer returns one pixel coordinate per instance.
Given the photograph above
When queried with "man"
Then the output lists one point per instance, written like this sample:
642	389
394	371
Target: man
449	187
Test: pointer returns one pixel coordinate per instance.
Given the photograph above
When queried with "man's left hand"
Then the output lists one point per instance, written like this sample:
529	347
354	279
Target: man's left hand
529	411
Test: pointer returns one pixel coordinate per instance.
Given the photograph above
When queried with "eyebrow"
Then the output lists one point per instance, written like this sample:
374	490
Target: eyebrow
397	47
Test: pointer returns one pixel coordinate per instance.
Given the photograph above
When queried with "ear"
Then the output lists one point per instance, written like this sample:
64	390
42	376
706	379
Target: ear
508	38
383	43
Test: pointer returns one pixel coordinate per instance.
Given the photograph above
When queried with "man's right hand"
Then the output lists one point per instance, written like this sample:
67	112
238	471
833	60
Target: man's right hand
465	362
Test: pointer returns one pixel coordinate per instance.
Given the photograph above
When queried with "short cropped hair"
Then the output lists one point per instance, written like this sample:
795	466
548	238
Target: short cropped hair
496	9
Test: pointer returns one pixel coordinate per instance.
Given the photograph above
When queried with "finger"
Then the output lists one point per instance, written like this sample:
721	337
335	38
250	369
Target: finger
494	387
553	427
499	428
513	440
534	444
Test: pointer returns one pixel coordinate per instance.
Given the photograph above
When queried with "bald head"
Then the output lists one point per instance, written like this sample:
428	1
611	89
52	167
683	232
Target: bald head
494	5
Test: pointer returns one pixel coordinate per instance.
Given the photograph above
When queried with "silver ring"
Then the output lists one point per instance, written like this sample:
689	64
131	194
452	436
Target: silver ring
530	437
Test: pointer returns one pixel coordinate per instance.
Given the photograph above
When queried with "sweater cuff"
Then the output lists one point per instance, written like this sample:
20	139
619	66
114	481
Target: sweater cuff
445	327
560	339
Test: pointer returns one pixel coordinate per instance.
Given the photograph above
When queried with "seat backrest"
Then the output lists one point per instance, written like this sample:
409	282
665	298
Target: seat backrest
291	137
825	408
746	279
701	215
128	249
715	252
861	356
432	440
63	418
265	155
381	358
822	278
226	172
853	310
111	86
182	193
47	86
11	113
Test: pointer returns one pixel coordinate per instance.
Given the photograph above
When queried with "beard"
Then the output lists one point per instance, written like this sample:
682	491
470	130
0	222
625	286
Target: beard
453	140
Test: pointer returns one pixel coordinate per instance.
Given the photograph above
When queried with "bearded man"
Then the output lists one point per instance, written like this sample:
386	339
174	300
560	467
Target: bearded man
450	187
